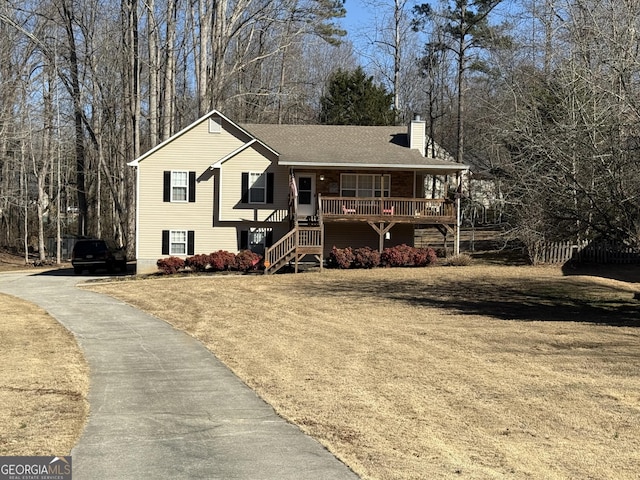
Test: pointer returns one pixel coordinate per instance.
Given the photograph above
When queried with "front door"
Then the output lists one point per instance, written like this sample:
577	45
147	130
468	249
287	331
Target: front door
306	194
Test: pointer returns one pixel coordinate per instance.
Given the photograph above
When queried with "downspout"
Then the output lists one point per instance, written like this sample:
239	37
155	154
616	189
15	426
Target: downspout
456	248
137	167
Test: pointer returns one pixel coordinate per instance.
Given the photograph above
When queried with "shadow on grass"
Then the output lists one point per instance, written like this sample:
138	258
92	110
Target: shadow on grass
549	300
624	273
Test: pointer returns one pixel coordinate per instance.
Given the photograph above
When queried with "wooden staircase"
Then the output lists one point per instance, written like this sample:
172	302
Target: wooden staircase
293	247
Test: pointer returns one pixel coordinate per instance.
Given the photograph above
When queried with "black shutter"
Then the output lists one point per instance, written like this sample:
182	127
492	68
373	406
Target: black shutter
165	242
270	180
245	187
244	239
191	242
167	186
192	187
268	241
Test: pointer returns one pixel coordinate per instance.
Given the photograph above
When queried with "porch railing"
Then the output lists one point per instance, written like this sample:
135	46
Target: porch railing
399	207
299	241
280	249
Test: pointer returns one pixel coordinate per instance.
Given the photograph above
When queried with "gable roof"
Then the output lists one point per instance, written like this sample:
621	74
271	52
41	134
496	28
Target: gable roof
211	114
345	146
340	146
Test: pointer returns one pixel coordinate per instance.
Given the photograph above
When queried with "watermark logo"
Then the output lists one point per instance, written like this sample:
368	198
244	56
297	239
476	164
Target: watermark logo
35	468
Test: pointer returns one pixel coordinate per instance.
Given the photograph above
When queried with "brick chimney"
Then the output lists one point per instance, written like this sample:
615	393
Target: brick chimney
417	134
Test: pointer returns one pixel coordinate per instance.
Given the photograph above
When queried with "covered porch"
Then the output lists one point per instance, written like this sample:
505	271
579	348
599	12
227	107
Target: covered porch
383	214
386	209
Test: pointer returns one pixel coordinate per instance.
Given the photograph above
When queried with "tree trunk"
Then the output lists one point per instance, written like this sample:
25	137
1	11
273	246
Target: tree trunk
69	18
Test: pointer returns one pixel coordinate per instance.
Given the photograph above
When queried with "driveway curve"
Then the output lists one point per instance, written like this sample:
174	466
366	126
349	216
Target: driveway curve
162	406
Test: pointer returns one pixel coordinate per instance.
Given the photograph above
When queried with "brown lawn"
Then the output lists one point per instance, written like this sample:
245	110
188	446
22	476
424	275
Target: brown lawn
473	372
44	382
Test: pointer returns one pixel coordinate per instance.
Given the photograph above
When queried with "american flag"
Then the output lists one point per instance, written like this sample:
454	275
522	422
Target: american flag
292	186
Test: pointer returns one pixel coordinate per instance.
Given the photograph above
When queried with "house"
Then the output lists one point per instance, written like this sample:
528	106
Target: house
286	191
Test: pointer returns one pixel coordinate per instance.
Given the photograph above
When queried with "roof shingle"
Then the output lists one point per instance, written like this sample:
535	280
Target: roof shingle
344	145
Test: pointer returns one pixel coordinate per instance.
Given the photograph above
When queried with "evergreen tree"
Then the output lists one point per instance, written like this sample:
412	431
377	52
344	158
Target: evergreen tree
466	28
352	98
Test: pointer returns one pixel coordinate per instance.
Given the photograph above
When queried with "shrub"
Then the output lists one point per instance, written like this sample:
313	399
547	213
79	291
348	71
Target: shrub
222	260
198	263
441	252
460	260
340	258
170	265
423	257
247	260
406	256
395	256
366	258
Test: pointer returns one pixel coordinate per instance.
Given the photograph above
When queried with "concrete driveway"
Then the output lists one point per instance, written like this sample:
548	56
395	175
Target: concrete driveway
162	406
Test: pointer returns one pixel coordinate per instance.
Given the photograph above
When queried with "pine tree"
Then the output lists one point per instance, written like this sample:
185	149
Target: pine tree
466	27
352	98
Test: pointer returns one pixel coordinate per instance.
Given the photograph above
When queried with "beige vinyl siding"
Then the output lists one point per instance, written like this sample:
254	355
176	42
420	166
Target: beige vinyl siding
195	150
416	133
231	208
357	235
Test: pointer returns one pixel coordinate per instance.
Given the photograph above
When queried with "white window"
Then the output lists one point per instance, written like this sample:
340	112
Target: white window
257	187
365	185
178	242
349	185
179	186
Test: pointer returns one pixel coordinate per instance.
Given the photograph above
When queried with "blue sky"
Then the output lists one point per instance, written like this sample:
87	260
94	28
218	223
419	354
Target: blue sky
357	14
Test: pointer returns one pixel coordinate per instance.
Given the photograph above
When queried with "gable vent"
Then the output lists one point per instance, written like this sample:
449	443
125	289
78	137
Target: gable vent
215	125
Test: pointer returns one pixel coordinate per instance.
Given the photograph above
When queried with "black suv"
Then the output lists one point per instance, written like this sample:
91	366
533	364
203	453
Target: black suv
92	254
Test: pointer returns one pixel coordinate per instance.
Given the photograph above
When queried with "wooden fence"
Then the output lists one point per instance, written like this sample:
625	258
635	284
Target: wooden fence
583	252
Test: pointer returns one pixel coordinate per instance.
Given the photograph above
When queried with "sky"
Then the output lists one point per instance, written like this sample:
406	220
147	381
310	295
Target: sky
361	17
358	16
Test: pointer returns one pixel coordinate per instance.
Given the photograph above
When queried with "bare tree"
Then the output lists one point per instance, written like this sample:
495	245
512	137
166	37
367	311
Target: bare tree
571	133
391	48
467	28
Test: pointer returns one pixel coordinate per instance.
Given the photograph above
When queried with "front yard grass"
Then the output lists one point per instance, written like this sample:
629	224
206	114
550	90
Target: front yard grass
43	385
473	372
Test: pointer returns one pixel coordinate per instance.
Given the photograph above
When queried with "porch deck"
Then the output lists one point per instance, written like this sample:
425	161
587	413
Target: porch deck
307	236
387	209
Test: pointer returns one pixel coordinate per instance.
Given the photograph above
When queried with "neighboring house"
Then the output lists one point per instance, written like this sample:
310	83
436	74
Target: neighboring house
286	191
485	203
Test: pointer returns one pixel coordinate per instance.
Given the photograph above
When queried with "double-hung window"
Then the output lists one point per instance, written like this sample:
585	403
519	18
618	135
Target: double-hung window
257	187
349	185
178	243
365	185
179	186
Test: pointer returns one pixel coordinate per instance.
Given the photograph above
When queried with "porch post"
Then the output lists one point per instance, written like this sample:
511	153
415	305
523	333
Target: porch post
382	231
321	223
456	247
